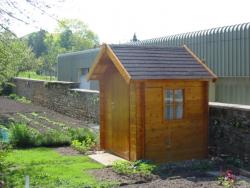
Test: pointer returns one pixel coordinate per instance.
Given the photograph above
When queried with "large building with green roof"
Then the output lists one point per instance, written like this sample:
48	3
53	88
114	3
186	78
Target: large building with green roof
226	50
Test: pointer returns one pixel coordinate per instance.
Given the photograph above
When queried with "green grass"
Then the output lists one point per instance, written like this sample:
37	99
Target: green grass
33	75
47	168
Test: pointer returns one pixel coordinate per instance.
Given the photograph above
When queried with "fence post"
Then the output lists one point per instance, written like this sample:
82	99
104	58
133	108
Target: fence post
27	181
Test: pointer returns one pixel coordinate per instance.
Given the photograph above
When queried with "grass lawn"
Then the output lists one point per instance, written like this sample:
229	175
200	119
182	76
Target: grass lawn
33	75
47	168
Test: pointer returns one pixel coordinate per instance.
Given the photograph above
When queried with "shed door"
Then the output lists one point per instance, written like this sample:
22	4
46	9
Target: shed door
117	116
179	138
156	133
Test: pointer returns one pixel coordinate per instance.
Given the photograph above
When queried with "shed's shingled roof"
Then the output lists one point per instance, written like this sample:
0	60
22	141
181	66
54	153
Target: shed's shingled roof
154	62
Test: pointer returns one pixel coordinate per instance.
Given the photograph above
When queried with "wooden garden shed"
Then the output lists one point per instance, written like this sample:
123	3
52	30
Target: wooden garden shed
153	102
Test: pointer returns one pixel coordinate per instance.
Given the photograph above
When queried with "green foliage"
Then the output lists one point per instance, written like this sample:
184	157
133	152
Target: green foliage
7	88
50	58
34	75
227	180
74	35
15	56
81	134
137	167
22	136
53	138
47	168
36	42
83	139
83	146
19	98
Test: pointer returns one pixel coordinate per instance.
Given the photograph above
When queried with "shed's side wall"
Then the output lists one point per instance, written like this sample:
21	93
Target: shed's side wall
176	139
115	127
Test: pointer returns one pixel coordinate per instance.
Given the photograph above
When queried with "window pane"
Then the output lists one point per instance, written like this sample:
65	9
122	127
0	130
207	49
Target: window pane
179	110
178	95
169	96
169	112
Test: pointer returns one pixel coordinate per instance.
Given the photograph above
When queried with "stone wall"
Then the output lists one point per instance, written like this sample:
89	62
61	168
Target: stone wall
61	97
229	130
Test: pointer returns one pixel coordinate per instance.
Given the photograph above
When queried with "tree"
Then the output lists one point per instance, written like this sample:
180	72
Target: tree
15	56
50	58
13	11
66	39
74	35
36	42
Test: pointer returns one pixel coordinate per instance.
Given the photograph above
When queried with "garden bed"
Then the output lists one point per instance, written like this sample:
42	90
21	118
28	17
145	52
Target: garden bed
36	117
187	174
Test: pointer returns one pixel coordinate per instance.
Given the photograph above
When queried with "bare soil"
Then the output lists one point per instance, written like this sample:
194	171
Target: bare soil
191	179
11	106
67	151
36	116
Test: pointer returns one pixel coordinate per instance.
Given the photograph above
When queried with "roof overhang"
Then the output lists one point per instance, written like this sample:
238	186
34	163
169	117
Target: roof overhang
99	65
214	77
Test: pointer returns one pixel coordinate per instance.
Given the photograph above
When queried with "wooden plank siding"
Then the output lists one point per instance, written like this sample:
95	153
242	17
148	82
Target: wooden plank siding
102	114
116	117
176	139
133	122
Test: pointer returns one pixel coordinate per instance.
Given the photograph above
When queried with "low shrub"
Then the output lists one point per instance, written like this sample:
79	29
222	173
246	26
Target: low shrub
137	167
22	136
81	134
4	149
54	138
7	88
83	146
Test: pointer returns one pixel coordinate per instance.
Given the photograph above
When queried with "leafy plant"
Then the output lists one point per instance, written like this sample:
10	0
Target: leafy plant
228	179
83	146
54	138
137	167
81	134
22	136
7	88
19	98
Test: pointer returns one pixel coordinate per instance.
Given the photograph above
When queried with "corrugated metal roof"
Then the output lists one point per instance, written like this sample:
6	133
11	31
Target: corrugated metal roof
154	62
226	50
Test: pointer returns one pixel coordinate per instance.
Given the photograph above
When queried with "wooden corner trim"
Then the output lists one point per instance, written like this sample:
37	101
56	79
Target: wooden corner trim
118	64
96	61
203	64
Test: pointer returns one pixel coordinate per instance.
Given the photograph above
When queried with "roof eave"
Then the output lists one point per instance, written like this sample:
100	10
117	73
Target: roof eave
105	49
214	76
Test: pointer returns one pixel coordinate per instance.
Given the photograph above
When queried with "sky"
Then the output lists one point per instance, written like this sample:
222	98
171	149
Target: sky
115	21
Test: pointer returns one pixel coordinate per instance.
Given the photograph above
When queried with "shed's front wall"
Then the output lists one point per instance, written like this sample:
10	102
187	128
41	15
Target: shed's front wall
181	139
